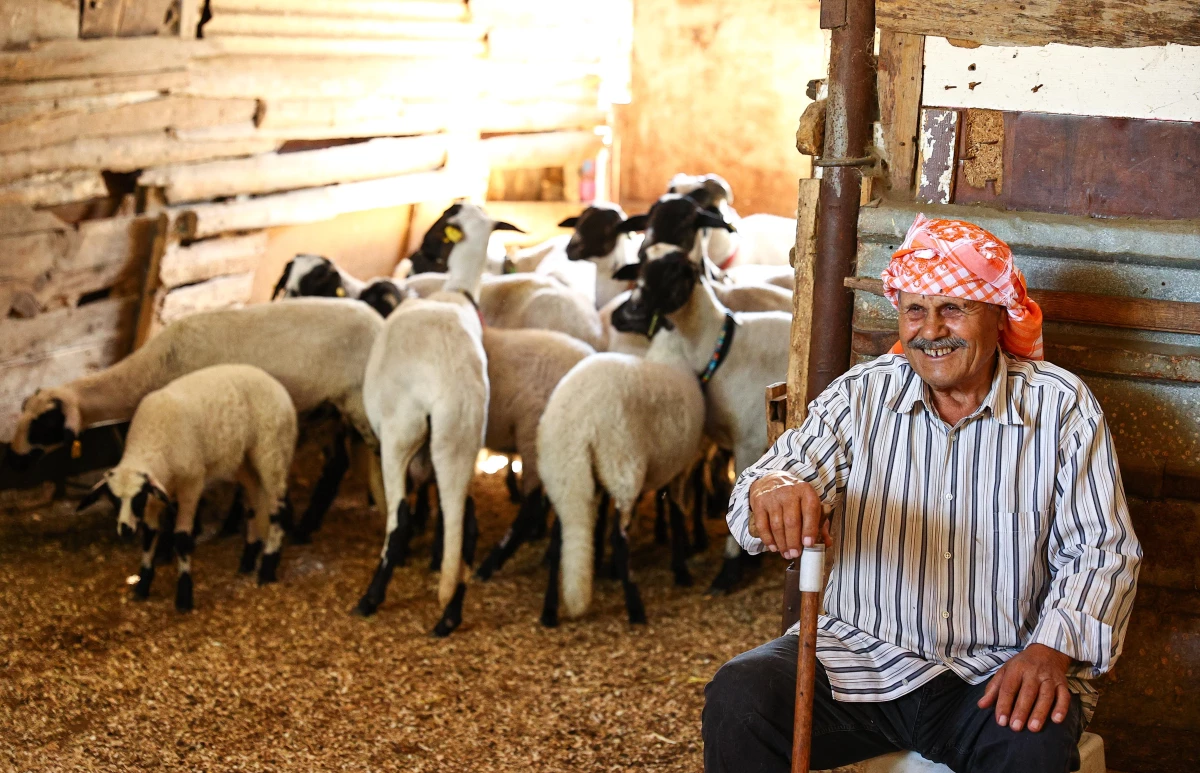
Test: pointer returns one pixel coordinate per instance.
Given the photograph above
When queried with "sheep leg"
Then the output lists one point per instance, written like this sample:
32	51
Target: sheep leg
252	549
150	533
679	545
660	517
396	457
423	510
452	615
337	462
517	534
272	551
598	534
439	544
718	468
620	548
421	479
550	604
185	545
237	514
165	550
514	487
700	494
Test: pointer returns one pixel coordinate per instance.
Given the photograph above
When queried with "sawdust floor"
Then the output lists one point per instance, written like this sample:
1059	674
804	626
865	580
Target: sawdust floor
284	678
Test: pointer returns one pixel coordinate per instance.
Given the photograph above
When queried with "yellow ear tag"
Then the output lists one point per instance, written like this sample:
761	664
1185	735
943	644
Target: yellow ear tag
76	449
341	292
452	235
653	325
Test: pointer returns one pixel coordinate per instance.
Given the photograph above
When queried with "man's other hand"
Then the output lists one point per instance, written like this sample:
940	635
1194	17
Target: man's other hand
786	514
1027	687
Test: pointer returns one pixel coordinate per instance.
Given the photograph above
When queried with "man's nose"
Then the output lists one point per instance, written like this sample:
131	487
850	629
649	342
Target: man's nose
934	327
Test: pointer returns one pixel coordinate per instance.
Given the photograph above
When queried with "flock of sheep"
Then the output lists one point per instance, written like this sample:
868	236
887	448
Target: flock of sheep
629	357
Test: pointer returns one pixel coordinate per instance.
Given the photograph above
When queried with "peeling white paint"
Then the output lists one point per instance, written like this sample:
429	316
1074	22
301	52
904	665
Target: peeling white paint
946	124
1149	82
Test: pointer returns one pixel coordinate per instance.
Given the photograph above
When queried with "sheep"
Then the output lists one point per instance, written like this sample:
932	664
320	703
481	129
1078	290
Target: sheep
625	425
599	240
309	275
757	239
225	422
426	379
755	354
316	347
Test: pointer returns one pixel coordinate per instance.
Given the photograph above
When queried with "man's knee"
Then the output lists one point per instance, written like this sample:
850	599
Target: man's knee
1054	749
757	683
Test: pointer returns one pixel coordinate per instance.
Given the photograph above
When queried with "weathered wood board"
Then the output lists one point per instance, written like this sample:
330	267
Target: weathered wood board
901	57
26	21
129	18
801	332
211	258
49	189
288	25
91	87
265	45
224	292
268	173
1117	23
1102	167
1146	82
938	155
98	58
541	149
432	10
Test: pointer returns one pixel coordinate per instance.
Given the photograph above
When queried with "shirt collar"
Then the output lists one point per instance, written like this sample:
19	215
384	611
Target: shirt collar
1000	403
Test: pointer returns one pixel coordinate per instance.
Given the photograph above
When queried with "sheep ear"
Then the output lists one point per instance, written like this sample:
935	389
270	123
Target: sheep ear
628	273
706	219
287	270
716	185
635	223
92	497
503	226
570	222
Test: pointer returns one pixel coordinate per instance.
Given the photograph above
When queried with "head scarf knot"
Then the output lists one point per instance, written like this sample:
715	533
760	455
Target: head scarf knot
961	260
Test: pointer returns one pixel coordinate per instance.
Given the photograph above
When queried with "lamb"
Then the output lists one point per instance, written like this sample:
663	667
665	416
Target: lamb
426	379
316	347
599	240
757	239
309	275
625	425
226	422
737	355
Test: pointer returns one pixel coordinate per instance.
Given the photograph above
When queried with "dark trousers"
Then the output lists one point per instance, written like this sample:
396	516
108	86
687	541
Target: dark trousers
749	708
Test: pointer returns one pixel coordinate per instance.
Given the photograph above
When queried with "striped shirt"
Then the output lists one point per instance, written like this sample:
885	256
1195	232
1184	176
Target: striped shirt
957	547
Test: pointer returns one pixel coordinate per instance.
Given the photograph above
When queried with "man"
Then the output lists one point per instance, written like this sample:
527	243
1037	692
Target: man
983	561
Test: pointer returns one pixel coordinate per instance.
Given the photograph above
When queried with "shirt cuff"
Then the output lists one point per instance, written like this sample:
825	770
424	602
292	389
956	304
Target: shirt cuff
1080	637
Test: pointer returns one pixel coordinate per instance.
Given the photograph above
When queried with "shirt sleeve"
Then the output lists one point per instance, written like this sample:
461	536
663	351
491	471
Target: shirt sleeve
817	453
1093	553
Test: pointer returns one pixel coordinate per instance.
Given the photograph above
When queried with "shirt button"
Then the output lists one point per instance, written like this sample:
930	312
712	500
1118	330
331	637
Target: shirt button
945	615
946	554
949	497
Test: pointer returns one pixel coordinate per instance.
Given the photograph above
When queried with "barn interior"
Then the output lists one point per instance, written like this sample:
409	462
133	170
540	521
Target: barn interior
161	159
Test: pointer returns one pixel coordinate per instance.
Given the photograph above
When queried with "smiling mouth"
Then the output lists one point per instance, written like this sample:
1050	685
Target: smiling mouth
937	354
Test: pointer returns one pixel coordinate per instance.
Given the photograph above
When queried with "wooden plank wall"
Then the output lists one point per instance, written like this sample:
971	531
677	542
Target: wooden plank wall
276	113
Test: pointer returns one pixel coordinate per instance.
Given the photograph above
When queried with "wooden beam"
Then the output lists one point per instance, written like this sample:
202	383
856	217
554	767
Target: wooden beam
262	45
338	26
211	258
87	87
901	60
802	294
18	219
38	131
190	13
542	149
1113	23
128	18
126	153
221	293
316	204
430	10
98	58
499	117
272	172
34	110
28	21
543	44
40	336
50	189
151	279
1093	309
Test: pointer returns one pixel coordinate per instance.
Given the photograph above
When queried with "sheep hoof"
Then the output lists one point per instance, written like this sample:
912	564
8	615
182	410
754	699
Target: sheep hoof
249	557
364	608
183	593
549	619
300	537
488	567
637	616
452	617
683	578
141	591
267	572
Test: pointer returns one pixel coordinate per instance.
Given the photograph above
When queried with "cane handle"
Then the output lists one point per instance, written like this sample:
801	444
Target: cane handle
812	569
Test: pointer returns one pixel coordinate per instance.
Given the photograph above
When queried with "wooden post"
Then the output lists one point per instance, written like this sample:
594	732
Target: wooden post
802	299
900	79
146	311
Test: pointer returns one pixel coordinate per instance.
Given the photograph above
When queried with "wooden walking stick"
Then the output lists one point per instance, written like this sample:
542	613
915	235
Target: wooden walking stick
812	580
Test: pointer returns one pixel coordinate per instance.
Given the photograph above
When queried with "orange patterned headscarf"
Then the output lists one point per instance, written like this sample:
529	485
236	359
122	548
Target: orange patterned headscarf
961	260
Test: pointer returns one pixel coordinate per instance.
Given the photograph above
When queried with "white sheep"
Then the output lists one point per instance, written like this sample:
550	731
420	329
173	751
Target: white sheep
756	239
622	425
426	379
224	423
316	347
742	353
316	276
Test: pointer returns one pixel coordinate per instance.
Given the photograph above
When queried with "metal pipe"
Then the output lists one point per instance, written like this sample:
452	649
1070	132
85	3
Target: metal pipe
847	131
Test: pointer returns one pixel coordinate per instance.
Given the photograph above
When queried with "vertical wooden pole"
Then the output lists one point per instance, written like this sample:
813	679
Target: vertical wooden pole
147	310
802	300
806	675
901	59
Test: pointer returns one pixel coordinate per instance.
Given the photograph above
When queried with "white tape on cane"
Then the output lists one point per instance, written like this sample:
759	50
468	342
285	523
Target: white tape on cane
812	569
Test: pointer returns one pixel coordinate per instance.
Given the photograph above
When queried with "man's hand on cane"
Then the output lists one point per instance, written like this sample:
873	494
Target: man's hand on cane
787	515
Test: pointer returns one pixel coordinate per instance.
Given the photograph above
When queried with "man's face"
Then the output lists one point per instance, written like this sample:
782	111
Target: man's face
950	342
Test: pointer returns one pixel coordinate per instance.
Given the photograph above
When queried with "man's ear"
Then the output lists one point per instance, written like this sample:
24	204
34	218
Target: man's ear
503	226
570	222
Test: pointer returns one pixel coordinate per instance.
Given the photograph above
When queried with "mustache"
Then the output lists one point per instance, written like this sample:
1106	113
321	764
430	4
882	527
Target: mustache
946	342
